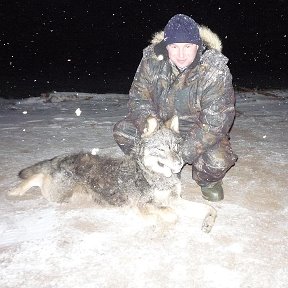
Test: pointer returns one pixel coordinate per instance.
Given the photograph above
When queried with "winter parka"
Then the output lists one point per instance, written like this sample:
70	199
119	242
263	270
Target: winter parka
202	95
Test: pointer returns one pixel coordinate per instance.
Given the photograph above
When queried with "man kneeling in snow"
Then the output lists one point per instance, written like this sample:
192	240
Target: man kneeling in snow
184	73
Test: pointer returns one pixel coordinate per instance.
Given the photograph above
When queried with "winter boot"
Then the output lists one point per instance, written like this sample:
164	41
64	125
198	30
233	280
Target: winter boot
213	192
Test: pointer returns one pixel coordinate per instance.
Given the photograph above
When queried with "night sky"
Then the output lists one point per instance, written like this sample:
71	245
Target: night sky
95	46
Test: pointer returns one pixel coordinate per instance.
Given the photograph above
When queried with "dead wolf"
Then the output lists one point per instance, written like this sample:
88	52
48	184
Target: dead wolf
149	180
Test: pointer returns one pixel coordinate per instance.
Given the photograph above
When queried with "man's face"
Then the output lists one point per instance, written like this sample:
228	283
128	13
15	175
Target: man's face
182	54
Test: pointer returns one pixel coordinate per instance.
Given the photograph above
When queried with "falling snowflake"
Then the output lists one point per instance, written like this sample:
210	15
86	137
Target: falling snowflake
78	112
94	151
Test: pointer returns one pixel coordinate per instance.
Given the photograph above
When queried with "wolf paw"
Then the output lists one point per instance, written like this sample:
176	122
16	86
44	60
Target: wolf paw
208	223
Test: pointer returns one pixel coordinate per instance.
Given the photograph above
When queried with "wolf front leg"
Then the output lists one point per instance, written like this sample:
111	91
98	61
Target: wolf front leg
154	213
197	210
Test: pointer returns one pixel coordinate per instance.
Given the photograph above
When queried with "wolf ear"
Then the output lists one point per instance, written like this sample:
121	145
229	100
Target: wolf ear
173	124
151	126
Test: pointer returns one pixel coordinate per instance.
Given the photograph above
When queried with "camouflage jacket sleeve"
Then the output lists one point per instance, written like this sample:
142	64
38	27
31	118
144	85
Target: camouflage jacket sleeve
141	104
217	104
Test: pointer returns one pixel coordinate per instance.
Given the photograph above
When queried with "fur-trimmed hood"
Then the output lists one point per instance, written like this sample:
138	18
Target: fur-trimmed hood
209	38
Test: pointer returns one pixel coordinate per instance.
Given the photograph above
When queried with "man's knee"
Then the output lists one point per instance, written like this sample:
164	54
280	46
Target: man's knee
219	160
220	157
213	164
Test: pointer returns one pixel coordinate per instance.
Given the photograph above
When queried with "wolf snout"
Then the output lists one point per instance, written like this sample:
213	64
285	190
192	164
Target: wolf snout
177	166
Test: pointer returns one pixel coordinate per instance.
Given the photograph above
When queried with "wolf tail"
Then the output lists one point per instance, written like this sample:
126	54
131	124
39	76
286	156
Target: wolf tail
41	167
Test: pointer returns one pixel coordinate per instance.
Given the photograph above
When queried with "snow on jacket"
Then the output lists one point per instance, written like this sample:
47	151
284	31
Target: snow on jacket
202	95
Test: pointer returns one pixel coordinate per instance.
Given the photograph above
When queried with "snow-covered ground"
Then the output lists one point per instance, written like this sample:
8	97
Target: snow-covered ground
51	245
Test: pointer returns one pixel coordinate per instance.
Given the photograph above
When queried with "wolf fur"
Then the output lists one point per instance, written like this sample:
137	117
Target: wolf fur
150	180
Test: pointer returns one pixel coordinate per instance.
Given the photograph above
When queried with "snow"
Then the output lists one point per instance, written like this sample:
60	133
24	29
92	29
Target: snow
63	245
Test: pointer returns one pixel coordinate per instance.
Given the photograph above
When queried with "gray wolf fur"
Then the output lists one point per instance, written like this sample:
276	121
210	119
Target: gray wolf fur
149	180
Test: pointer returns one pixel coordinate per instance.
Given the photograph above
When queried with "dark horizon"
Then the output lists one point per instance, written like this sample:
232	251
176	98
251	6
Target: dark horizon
96	46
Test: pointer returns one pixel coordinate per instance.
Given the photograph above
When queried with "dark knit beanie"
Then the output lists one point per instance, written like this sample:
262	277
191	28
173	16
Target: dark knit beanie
181	29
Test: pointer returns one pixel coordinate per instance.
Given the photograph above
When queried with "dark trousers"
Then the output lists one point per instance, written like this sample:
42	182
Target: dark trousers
208	168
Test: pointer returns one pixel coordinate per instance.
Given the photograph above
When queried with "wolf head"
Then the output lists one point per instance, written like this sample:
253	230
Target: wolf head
159	147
